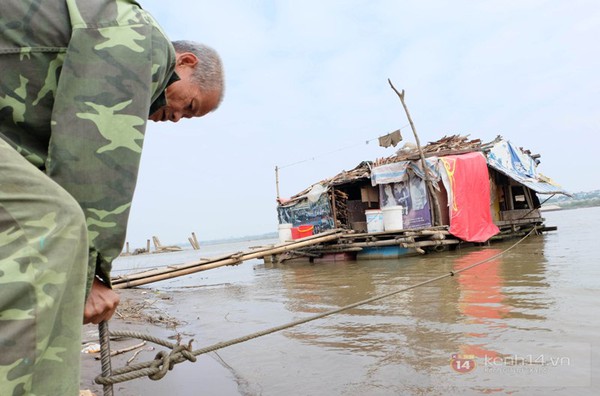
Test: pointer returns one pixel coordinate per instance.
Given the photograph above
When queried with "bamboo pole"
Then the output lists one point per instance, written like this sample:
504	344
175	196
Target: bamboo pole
333	208
277	181
192	243
426	233
162	270
411	232
171	268
389	242
430	243
197	266
436	205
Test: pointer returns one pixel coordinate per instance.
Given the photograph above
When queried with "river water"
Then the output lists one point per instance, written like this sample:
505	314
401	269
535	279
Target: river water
526	323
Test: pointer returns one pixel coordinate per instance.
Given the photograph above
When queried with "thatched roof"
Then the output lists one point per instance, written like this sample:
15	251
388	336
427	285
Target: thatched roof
448	145
361	171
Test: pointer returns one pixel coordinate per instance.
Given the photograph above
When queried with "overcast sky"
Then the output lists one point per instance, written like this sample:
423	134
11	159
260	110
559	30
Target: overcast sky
307	88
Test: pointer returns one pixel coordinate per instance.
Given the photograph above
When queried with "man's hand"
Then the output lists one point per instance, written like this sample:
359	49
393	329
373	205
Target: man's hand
101	303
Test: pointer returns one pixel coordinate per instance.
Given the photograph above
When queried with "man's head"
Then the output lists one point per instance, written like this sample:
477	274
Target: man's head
200	88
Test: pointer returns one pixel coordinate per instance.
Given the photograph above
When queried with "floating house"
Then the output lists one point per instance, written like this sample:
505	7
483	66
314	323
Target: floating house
454	191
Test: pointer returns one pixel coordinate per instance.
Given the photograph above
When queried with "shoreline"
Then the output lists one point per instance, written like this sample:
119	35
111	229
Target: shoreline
138	311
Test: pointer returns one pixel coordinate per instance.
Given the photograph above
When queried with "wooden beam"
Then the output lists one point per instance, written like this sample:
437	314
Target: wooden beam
437	216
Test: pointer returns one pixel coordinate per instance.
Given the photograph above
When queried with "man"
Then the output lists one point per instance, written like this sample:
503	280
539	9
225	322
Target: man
78	79
402	196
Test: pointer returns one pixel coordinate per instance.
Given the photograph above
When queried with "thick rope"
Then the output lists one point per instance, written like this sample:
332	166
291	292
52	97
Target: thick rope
163	362
105	356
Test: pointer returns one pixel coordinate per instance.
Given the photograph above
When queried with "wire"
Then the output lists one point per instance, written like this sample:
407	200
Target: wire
331	152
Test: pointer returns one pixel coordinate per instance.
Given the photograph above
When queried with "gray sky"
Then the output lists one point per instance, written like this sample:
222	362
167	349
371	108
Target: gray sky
307	85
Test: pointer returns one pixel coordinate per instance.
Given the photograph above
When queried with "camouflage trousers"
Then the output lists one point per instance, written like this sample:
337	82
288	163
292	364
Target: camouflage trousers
43	265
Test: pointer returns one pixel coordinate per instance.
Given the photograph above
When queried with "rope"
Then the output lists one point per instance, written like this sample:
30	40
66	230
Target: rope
163	362
105	355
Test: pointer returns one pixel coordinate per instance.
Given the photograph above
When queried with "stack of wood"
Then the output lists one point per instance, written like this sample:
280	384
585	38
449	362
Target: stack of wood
341	209
448	145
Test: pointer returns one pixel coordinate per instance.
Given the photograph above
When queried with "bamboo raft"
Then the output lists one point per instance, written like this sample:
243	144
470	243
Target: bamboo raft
173	271
421	241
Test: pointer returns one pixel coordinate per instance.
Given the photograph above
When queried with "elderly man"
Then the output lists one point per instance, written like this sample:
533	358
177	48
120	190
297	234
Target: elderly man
78	80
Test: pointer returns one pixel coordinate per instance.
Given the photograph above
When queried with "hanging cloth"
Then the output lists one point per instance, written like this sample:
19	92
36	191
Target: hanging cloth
468	185
391	139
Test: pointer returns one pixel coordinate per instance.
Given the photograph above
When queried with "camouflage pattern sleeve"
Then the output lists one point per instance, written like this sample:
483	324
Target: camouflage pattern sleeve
113	70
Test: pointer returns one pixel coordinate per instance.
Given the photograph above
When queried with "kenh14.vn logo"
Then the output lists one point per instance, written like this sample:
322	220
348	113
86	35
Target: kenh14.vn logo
462	363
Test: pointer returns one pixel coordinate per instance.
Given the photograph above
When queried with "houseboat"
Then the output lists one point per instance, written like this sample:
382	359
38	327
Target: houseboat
451	192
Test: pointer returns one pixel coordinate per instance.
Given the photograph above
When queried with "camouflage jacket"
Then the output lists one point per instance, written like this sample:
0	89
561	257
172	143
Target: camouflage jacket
77	79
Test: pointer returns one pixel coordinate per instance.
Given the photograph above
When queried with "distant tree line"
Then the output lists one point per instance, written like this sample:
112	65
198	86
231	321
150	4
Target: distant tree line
578	200
579	203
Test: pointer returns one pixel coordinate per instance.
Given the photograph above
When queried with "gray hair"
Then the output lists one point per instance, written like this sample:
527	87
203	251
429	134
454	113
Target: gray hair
209	71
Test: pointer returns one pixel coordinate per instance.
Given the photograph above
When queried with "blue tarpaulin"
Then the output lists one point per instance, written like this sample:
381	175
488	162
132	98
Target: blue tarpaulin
512	162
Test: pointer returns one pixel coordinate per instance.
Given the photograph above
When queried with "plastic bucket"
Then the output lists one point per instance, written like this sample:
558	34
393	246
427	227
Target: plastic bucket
392	218
374	220
302	231
285	232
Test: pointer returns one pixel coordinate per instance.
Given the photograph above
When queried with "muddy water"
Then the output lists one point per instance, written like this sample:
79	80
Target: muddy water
526	323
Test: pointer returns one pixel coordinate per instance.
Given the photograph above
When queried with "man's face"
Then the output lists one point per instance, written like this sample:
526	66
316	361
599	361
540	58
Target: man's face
184	97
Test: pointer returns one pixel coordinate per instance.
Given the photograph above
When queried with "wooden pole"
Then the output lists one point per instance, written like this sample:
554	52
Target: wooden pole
147	245
333	208
197	245
127	247
437	217
277	181
390	242
203	265
431	243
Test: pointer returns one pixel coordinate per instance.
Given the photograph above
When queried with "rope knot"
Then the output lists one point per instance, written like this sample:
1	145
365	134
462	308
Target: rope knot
186	351
166	361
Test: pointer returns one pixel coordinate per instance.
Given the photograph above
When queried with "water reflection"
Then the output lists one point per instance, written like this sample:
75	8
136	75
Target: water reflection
417	331
481	301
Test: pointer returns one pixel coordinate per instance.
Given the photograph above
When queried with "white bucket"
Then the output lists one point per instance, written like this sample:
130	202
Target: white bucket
285	232
374	220
392	218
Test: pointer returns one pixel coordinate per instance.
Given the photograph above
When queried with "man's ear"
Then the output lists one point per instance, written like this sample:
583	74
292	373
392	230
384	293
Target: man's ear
186	59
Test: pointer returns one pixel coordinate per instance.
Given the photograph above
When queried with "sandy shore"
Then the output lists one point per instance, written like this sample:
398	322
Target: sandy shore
137	311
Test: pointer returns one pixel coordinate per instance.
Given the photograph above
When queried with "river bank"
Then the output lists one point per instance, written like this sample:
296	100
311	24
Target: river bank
138	311
535	302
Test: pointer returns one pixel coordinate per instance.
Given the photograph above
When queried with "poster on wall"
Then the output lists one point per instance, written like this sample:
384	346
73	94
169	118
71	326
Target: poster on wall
305	212
411	194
